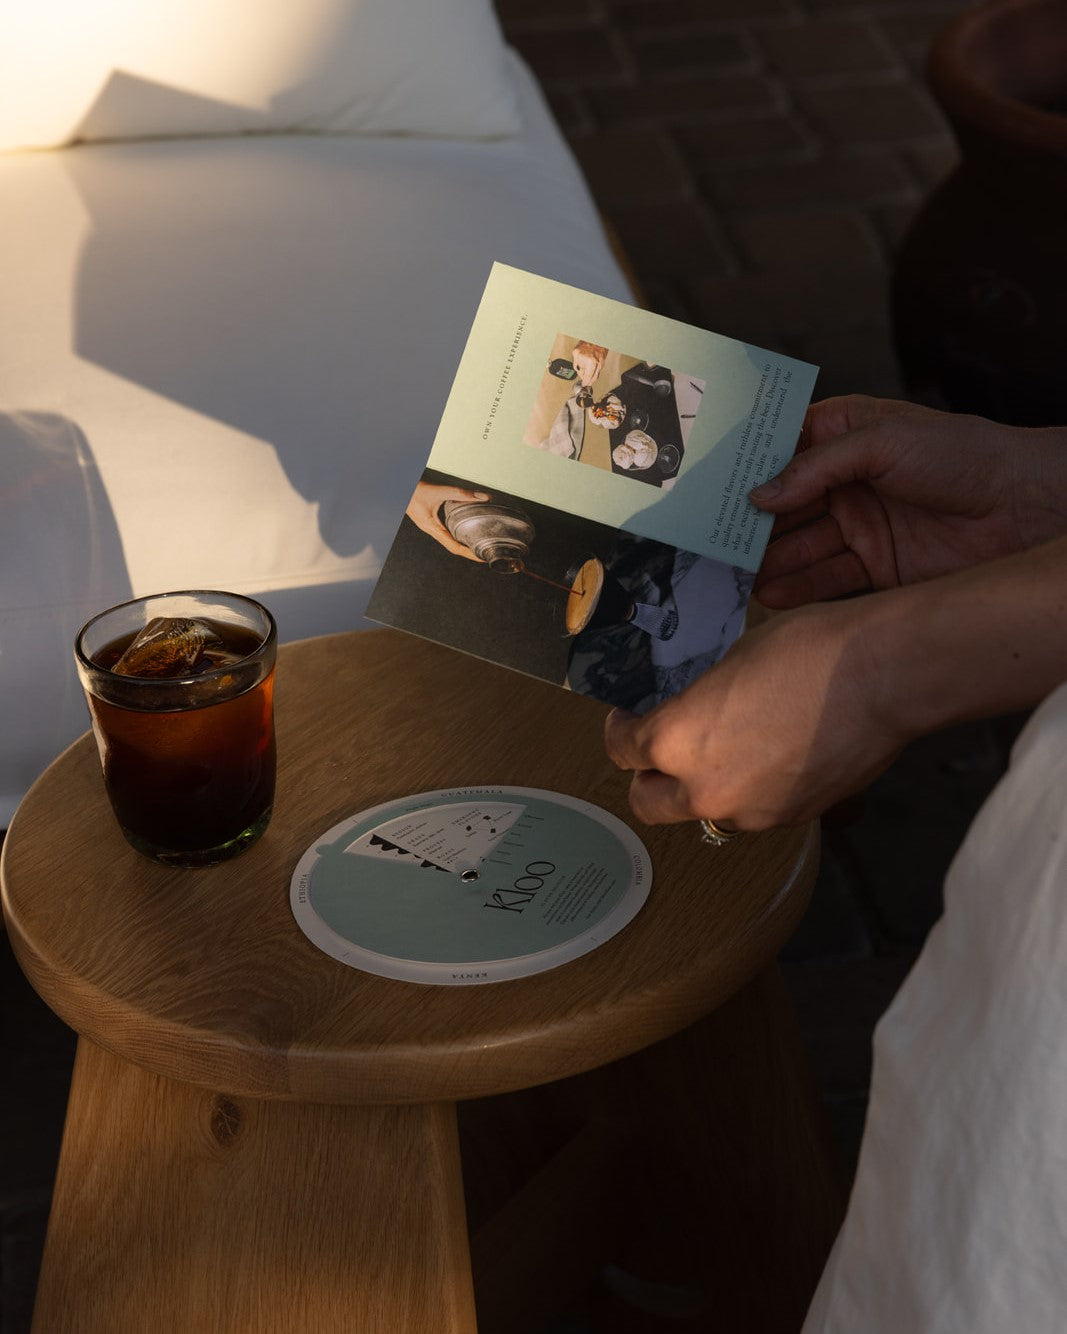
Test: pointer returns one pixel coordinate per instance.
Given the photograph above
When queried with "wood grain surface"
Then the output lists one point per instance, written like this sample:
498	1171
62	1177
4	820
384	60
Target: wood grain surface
242	1151
204	977
184	1211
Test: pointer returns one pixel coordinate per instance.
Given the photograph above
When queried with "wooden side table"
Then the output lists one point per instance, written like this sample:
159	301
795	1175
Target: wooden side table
260	1138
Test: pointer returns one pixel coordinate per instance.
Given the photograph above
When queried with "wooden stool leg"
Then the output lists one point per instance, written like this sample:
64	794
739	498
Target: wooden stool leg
738	1188
179	1209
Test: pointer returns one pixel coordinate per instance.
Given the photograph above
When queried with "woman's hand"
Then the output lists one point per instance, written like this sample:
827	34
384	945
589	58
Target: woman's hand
791	720
423	512
883	493
588	359
811	706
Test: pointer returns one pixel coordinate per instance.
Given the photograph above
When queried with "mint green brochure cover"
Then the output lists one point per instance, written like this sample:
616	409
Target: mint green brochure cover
583	516
741	415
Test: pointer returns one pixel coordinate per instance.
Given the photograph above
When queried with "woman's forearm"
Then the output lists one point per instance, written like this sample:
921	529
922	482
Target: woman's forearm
989	639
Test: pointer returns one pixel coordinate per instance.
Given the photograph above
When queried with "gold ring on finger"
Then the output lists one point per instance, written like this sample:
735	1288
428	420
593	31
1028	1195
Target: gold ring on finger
716	834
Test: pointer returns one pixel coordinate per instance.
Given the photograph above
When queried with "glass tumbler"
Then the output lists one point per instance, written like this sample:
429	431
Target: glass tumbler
180	692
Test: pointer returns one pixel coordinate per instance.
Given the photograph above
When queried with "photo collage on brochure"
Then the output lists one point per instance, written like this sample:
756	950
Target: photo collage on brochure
583	514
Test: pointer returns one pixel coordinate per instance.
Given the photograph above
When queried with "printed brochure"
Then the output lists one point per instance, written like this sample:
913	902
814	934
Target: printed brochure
583	515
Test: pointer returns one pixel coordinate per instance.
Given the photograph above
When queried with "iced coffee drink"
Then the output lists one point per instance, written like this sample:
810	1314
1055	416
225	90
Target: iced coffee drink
180	692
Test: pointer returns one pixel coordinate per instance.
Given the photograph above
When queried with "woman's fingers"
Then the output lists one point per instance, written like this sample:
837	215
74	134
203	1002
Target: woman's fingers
810	564
655	797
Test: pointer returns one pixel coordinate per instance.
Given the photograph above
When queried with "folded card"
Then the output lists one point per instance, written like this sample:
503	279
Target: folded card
583	515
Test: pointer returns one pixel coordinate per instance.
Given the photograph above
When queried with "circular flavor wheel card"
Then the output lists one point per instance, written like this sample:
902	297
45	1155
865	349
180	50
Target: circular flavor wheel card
470	885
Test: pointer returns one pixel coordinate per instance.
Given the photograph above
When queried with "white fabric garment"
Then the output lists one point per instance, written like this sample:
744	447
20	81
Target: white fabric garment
958	1218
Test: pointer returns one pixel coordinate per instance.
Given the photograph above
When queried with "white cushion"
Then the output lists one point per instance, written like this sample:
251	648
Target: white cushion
223	362
119	69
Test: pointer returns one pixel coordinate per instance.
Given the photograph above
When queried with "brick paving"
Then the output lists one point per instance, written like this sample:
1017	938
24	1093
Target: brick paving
759	160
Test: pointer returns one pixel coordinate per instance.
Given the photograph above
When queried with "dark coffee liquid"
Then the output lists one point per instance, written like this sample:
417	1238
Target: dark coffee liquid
195	778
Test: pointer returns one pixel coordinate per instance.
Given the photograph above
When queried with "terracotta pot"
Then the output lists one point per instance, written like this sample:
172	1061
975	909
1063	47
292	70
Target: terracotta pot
979	293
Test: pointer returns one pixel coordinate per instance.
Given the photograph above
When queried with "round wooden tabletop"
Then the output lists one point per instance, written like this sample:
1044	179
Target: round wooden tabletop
204	976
